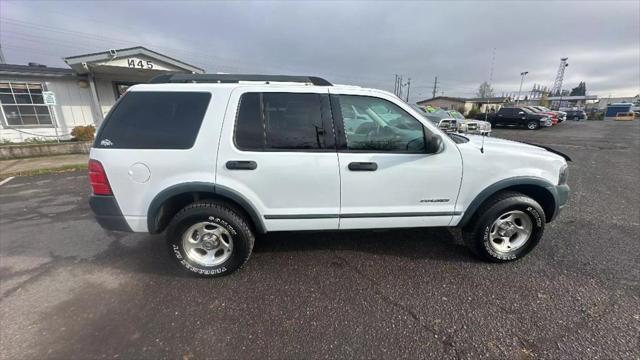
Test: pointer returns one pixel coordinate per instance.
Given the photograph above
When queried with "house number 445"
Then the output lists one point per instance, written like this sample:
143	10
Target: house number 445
136	63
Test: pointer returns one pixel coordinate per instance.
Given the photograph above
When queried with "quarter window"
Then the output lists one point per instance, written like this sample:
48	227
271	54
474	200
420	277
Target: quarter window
154	120
22	104
281	121
374	124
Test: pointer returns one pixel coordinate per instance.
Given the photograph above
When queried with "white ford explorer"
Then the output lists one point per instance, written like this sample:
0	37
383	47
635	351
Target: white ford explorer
213	160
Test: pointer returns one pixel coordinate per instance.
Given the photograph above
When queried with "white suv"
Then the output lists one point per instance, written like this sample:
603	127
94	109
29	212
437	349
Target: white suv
214	160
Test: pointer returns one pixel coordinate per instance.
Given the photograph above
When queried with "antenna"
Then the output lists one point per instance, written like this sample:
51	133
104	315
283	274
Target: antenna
486	112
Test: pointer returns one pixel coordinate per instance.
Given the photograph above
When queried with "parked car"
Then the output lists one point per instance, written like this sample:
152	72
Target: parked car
214	160
576	115
552	114
454	121
471	126
517	116
560	115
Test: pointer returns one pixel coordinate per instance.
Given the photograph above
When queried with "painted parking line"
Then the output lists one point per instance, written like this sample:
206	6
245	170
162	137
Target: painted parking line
6	180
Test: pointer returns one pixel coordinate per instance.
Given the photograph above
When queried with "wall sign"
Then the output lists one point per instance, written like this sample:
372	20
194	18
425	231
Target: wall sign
49	98
139	64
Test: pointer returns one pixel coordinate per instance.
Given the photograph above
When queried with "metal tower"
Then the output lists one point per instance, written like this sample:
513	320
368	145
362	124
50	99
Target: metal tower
557	85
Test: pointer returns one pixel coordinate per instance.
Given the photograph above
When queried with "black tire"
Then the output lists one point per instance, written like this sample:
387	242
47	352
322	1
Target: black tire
533	125
219	215
476	233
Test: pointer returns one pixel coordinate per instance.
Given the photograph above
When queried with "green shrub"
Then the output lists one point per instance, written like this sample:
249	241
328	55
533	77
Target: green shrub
83	133
473	113
38	140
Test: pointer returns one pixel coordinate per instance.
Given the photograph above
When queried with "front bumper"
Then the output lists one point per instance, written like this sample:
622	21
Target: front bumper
108	214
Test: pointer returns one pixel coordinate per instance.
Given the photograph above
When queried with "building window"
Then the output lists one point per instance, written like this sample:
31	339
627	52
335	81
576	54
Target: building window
22	104
121	88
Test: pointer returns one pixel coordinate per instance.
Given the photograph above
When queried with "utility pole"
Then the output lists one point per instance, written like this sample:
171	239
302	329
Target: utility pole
395	85
2	61
522	74
435	87
408	88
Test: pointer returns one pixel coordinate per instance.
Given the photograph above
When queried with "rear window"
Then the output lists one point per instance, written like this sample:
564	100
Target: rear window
154	120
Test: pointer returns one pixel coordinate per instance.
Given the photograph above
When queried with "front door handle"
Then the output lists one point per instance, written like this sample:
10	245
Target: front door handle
363	166
241	165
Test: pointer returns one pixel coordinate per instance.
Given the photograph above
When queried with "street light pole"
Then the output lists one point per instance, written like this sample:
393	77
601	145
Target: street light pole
522	74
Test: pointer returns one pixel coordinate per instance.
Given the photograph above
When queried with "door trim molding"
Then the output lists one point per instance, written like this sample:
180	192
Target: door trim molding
360	215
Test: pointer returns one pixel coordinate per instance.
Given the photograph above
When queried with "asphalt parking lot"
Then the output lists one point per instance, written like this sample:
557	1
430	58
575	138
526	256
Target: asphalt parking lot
70	290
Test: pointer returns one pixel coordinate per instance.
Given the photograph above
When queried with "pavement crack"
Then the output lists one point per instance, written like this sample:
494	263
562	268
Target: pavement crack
445	340
38	272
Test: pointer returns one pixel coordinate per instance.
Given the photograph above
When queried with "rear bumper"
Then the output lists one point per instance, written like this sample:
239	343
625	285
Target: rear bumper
108	214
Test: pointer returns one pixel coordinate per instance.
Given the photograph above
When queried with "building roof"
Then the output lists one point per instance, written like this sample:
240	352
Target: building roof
132	51
450	98
495	99
38	70
570	98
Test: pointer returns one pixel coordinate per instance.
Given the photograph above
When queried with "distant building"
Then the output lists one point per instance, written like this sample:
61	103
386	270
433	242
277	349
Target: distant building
465	105
444	102
604	102
83	93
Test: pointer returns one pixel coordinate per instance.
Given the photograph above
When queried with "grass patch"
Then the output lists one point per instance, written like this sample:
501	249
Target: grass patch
53	170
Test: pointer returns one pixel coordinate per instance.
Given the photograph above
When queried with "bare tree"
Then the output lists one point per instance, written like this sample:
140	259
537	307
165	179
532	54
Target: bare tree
485	91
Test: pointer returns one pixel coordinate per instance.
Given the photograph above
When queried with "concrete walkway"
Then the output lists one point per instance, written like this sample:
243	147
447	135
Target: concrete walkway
17	166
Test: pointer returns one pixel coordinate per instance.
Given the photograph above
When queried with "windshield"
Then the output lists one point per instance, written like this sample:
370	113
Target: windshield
434	116
526	110
456	115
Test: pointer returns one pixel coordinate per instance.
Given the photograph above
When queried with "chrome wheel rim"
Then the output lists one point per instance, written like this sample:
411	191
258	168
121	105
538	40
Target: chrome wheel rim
207	244
532	126
510	231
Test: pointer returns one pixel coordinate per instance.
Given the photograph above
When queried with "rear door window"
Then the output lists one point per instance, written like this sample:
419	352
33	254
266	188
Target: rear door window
154	120
284	121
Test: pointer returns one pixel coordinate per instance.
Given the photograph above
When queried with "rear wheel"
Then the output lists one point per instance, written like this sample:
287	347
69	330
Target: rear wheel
533	125
505	228
207	238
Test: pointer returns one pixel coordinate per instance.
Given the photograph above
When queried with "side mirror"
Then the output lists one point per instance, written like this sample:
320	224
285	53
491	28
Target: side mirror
521	113
433	144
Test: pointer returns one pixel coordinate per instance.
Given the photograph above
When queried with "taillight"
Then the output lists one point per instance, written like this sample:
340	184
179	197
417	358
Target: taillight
98	178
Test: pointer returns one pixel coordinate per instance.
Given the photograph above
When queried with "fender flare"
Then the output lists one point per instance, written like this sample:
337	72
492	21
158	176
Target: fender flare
190	187
506	183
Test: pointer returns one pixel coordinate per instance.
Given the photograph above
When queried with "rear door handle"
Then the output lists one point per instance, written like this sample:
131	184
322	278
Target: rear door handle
363	166
241	165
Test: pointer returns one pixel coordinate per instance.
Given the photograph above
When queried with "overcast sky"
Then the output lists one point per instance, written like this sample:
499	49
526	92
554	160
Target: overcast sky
362	43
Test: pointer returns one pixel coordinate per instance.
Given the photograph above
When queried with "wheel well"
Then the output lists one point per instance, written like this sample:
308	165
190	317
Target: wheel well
172	205
541	195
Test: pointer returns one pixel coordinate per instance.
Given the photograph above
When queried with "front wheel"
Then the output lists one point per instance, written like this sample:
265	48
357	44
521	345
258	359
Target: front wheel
506	228
207	238
533	125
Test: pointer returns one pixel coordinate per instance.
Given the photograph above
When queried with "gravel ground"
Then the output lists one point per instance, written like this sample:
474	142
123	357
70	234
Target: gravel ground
70	290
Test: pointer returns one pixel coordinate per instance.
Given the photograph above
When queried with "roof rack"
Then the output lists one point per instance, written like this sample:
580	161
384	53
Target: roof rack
235	78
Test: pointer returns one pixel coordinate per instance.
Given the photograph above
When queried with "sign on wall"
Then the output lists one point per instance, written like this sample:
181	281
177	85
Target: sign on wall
140	64
49	98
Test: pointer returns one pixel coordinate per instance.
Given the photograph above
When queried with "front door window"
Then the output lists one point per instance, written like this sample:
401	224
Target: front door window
374	124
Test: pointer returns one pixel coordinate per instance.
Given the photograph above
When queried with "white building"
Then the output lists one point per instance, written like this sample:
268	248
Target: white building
83	93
